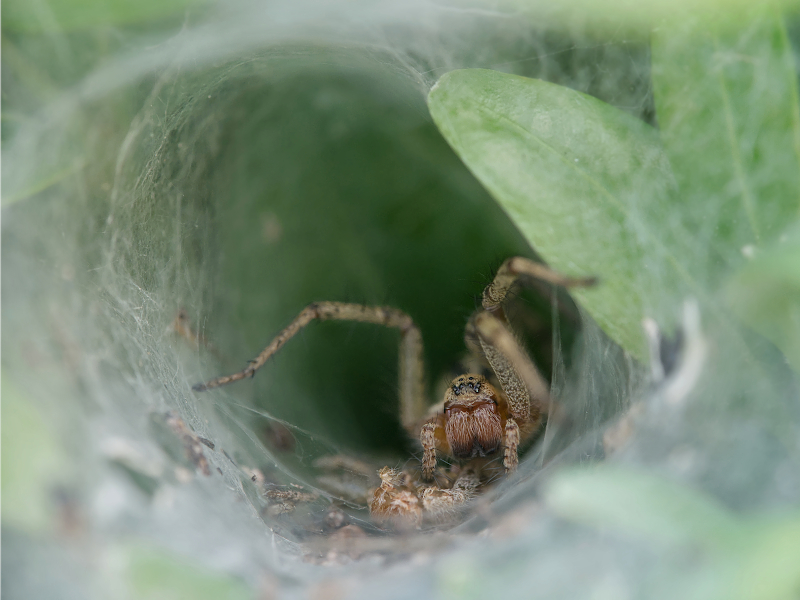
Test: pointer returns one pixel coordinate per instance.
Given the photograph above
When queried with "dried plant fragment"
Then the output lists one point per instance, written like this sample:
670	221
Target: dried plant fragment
193	445
284	500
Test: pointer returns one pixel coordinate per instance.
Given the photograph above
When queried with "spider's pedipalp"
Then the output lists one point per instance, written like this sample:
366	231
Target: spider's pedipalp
511	456
427	438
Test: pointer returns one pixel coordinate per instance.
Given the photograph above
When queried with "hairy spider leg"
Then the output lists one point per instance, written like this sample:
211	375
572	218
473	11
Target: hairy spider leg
412	370
517	266
527	391
518	376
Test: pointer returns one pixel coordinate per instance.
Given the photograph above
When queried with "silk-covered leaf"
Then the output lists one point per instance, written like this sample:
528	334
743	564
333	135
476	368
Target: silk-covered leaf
727	106
587	185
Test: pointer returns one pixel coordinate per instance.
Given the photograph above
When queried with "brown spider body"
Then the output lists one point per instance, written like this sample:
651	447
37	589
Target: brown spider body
472	419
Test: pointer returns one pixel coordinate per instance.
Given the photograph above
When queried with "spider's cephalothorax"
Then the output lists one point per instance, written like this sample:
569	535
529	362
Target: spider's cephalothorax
473	424
476	419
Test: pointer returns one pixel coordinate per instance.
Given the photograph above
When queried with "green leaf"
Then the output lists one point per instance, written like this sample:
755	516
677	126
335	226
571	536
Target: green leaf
765	294
586	184
640	504
727	105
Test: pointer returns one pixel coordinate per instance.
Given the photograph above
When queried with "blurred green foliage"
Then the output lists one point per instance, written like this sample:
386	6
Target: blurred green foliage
71	15
765	293
729	118
753	558
154	573
33	463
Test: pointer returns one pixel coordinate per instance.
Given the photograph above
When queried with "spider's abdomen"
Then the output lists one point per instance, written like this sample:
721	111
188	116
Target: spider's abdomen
473	429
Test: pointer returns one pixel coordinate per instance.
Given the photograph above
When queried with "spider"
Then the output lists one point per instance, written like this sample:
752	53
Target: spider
478	419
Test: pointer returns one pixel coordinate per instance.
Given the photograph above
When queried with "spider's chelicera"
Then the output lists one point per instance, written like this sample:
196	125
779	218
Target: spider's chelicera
476	420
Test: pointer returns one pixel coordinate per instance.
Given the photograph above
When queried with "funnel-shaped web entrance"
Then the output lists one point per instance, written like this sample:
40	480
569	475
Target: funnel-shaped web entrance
177	206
